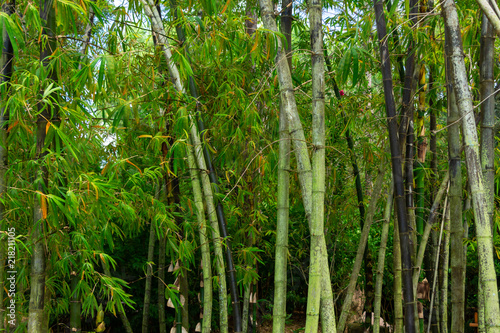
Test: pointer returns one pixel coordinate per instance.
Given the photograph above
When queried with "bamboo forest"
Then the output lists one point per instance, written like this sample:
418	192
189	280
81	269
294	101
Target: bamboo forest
249	166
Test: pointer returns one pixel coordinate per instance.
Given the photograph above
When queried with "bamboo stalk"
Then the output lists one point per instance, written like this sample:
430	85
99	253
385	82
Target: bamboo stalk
457	256
149	278
204	243
463	95
398	283
444	273
280	271
381	260
318	167
303	161
396	169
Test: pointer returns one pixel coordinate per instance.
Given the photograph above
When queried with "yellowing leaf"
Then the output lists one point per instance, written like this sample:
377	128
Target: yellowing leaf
225	7
11	126
105	169
254	47
145	136
134	166
44	207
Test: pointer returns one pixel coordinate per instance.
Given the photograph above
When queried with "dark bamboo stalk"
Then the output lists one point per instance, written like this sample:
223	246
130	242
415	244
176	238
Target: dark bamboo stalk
396	168
455	196
486	73
408	87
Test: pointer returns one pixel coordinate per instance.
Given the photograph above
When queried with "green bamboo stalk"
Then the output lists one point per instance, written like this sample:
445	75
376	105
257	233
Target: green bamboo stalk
204	242
161	286
377	189
6	61
318	166
396	169
246	308
457	256
428	227
280	272
303	161
75	320
212	217
444	273
149	278
479	194
381	260
281	259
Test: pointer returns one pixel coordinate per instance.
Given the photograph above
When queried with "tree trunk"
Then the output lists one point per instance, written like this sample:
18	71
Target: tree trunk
396	170
463	95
